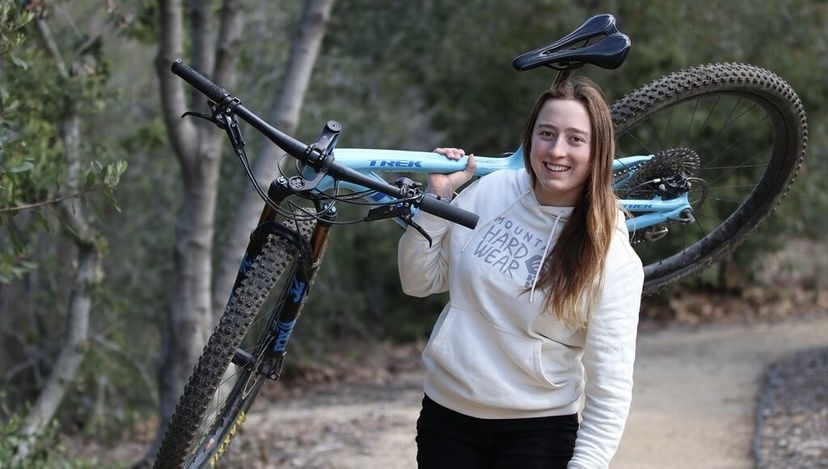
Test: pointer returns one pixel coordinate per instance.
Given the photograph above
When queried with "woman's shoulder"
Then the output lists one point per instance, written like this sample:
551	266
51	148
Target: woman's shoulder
515	179
493	192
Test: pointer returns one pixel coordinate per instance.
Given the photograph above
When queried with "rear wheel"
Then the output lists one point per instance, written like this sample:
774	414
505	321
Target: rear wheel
231	370
748	128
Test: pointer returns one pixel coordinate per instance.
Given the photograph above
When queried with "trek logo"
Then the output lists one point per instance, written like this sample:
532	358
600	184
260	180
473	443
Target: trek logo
395	164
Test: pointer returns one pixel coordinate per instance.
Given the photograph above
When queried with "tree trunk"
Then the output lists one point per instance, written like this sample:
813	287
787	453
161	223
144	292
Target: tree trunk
86	278
198	147
285	115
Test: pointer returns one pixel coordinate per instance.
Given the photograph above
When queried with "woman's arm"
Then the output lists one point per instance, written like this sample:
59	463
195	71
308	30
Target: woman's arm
423	266
609	355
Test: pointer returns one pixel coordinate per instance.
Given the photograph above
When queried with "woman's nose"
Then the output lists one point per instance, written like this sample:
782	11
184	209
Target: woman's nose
559	147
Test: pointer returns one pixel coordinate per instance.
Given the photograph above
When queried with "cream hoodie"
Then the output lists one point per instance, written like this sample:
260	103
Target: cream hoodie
494	352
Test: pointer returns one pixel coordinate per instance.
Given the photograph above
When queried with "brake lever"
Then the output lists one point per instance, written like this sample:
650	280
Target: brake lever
408	221
216	116
401	210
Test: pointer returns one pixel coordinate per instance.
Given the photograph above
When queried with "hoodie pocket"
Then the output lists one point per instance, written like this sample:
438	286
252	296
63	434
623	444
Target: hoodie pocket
476	354
557	364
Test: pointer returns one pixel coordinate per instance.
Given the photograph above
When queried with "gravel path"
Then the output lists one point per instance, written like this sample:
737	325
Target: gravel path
695	405
697	389
792	419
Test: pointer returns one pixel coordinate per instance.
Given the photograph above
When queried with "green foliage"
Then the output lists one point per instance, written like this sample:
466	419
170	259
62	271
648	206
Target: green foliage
48	451
35	100
38	102
12	21
142	23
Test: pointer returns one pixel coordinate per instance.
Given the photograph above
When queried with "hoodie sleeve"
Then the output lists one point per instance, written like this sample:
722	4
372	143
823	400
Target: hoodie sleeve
423	269
609	355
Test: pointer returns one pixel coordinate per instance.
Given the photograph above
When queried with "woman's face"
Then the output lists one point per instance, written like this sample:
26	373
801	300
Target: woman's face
561	156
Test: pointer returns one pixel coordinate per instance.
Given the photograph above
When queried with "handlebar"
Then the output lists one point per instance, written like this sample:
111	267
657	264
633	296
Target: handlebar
309	154
223	99
445	210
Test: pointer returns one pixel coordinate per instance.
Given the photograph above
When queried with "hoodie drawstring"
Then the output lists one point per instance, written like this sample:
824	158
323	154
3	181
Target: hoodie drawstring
545	252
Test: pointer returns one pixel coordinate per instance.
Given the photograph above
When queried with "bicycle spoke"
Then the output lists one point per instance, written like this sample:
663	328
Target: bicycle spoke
734	120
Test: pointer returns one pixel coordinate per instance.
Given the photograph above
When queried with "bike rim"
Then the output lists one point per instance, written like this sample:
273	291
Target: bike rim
739	139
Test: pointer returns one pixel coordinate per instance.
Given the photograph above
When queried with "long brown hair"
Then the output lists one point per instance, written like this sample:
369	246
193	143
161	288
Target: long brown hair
572	273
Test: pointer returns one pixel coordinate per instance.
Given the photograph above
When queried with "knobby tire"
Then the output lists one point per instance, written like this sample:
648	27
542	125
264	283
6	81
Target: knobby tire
722	112
184	444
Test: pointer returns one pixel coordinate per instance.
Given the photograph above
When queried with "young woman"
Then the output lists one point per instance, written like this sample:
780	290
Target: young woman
544	301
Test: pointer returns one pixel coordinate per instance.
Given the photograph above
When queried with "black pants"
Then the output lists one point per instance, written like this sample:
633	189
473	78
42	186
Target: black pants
447	439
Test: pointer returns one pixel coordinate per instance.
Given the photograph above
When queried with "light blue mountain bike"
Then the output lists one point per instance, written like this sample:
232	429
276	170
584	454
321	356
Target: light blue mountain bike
704	155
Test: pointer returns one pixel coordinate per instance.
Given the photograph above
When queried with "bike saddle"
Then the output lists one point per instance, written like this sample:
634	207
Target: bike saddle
597	41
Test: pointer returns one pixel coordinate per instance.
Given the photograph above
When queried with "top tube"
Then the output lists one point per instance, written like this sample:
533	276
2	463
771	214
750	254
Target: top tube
367	159
379	160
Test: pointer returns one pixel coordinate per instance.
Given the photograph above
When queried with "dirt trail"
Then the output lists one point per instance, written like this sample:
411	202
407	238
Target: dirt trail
696	391
694	406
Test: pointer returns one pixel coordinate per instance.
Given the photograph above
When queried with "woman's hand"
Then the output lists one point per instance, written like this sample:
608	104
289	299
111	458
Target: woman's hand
444	185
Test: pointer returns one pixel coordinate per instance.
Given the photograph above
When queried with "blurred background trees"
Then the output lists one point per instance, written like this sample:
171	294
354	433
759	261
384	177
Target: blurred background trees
409	75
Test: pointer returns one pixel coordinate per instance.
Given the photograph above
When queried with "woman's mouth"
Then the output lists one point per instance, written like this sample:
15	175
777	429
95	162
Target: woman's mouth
555	168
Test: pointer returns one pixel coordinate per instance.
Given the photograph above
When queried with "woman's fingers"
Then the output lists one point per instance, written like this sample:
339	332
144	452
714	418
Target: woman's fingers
471	166
450	152
444	185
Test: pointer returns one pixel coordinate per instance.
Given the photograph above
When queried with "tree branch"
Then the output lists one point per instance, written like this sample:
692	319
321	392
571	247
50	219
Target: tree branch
227	44
51	46
181	132
43	203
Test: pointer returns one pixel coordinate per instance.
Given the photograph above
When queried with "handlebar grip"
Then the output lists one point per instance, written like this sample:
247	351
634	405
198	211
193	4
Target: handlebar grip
445	210
199	81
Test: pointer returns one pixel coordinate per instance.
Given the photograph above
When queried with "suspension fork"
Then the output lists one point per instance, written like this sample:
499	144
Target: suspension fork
279	190
271	360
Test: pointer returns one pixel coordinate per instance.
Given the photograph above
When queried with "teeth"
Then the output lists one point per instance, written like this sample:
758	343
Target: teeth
556	167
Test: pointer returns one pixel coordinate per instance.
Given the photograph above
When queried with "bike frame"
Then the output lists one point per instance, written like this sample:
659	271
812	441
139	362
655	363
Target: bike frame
372	162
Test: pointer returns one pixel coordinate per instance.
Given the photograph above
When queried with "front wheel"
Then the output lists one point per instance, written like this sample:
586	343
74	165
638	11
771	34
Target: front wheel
749	130
229	372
